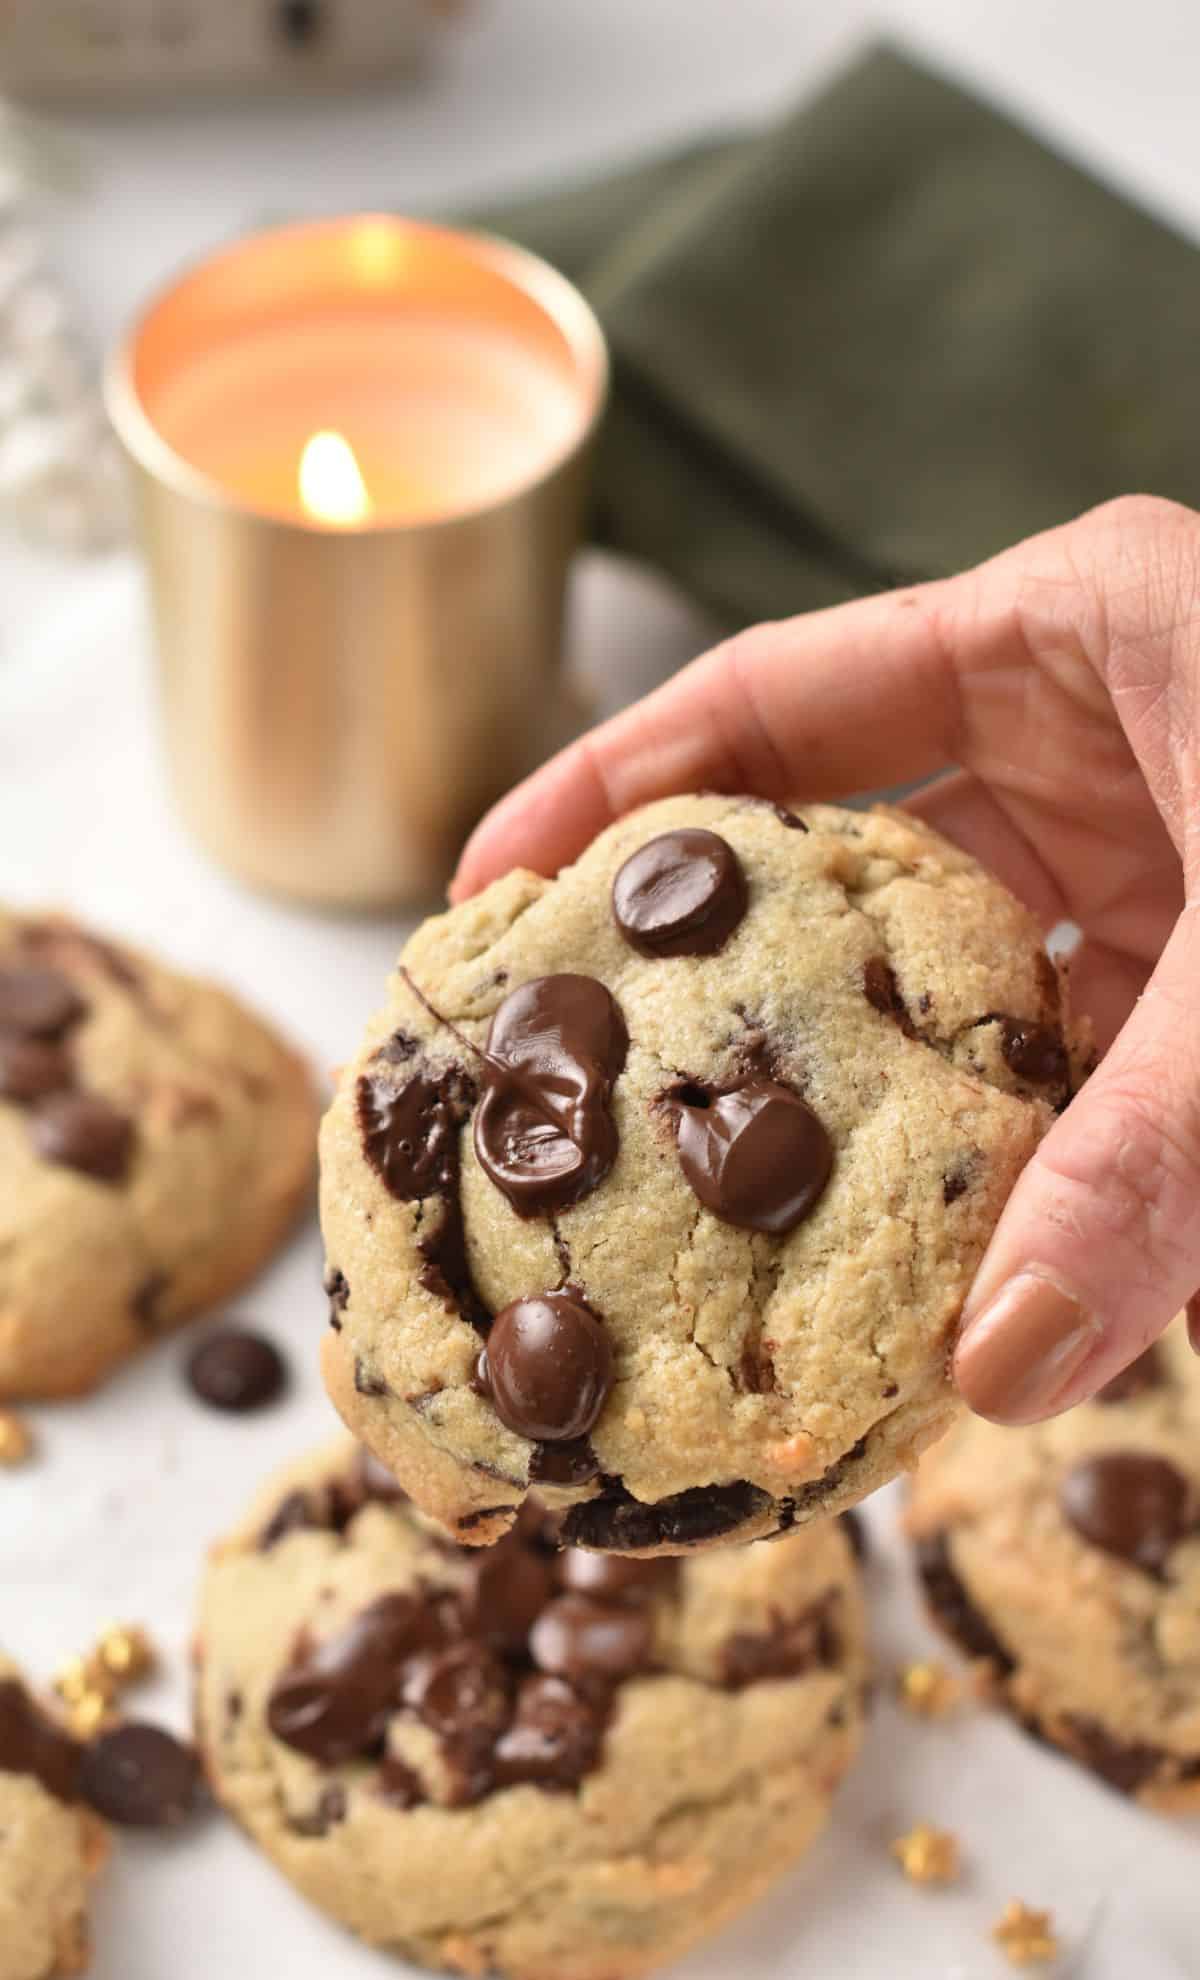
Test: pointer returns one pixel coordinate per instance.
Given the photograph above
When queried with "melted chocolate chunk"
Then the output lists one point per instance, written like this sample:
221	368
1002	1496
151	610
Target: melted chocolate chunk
1034	1051
1125	1766
81	1131
30	1743
882	992
579	1636
334	1704
618	1523
38	1003
140	1777
809	1642
1142	1375
953	1608
544	1132
293	1514
554	1739
30	1068
1130	1504
398	1785
573	1463
463	1694
755	1154
548	1367
508	1589
410	1134
236	1370
682	894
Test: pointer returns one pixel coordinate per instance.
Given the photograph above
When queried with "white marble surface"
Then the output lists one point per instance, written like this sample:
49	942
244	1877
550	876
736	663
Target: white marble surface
133	1483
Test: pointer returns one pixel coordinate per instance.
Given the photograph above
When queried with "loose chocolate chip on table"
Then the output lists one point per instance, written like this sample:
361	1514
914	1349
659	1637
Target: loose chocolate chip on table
1034	1051
544	1132
30	1068
548	1367
1138	1379
681	894
30	1743
236	1370
334	1704
578	1636
882	992
952	1605
38	1003
573	1463
139	1776
1130	1504
554	1738
82	1131
614	1577
756	1155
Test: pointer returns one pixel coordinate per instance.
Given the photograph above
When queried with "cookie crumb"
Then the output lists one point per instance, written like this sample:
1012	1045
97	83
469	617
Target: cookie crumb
928	1690
16	1439
126	1653
1024	1935
91	1713
79	1678
928	1856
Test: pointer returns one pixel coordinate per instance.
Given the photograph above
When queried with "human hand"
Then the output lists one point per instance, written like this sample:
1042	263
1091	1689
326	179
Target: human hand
1063	679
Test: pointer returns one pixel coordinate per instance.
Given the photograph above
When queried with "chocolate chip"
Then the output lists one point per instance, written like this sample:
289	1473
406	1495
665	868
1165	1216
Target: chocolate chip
509	1587
140	1777
337	1292
236	1370
548	1367
809	1642
681	894
789	819
30	1068
952	1606
544	1132
329	1811
882	992
399	1048
554	1738
335	1703
398	1785
38	1003
577	1636
618	1523
293	1514
1035	1052
30	1743
1128	1503
1138	1379
958	1178
614	1577
410	1131
81	1131
1126	1766
573	1463
458	1691
366	1381
756	1155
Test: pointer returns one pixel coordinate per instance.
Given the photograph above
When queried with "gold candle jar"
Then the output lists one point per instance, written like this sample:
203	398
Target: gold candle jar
359	451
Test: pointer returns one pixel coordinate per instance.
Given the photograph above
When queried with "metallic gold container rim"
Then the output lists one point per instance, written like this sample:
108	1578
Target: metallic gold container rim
557	298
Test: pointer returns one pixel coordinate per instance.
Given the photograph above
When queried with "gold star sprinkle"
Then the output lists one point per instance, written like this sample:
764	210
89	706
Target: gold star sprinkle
928	1856
125	1653
928	1691
79	1678
16	1440
91	1714
1025	1935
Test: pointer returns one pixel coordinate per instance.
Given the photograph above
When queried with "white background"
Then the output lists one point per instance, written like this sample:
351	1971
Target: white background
132	1485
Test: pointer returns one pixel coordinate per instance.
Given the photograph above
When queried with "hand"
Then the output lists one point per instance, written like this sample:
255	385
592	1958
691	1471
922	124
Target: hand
1063	678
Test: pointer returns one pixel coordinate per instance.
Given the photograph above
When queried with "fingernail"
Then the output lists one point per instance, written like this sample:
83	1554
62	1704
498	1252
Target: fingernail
1017	1357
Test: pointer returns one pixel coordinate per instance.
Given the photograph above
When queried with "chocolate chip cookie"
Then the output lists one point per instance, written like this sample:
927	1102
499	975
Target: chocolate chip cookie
50	1846
658	1187
1066	1559
543	1764
156	1142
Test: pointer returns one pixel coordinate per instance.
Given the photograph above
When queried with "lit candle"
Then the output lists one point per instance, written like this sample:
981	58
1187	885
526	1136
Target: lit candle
359	448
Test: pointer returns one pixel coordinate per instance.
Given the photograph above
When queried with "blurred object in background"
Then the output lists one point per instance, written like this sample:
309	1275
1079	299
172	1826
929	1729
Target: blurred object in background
60	472
97	48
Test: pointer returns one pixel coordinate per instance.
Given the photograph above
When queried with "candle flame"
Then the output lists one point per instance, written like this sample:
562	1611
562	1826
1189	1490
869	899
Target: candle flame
332	489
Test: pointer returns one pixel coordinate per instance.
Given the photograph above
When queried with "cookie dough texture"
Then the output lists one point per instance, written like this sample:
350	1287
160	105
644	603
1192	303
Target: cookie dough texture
49	1852
879	972
702	1793
222	1156
1089	1649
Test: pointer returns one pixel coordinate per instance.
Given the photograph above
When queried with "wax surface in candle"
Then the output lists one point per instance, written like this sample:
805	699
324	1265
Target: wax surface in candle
444	414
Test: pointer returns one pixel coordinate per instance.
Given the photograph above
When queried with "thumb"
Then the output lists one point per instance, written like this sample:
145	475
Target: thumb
1099	1244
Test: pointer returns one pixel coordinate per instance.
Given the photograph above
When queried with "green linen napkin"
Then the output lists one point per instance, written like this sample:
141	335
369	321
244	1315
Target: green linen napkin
875	343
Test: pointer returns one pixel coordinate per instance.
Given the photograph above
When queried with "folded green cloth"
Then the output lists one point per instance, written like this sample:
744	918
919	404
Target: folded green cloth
875	343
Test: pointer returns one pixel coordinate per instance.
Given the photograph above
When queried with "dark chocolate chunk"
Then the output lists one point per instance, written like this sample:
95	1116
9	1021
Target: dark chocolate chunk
544	1132
398	1785
573	1463
1142	1375
618	1523
337	1292
410	1129
30	1068
294	1514
548	1367
236	1370
953	1608
30	1743
510	1585
329	1811
755	1154
140	1777
1126	1766
615	1577
82	1131
958	1178
335	1703
554	1738
883	992
1129	1503
809	1642
1034	1051
38	1003
366	1381
460	1690
790	819
681	894
578	1636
